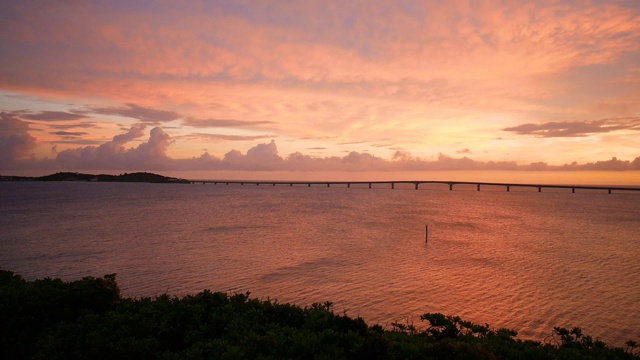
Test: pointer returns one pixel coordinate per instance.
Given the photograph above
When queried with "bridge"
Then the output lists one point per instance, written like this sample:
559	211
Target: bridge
416	184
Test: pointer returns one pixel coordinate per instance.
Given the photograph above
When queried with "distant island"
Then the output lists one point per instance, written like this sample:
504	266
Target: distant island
74	176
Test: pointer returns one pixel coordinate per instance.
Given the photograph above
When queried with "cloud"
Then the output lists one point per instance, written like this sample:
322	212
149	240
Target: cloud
576	128
354	142
259	157
614	164
410	71
53	116
206	123
134	132
144	114
15	141
82	125
69	133
150	155
225	137
402	155
83	142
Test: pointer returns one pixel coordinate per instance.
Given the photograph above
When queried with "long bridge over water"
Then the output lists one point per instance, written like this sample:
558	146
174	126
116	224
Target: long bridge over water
416	184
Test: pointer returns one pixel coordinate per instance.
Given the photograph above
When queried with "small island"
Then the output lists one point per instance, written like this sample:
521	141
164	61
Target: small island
74	176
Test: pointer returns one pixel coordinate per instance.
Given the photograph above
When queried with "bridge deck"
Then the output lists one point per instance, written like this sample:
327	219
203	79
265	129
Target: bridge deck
417	184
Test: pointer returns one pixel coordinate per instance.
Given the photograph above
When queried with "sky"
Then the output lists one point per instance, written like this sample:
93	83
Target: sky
304	89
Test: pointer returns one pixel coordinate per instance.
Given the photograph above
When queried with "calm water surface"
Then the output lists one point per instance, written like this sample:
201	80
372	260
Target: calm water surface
522	259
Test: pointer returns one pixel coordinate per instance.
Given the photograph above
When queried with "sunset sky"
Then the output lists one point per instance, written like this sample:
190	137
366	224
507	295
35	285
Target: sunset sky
262	89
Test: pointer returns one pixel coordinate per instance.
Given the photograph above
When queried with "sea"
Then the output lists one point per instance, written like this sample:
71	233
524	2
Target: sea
523	259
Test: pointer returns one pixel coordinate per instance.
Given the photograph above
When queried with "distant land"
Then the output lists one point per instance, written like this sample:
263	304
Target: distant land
73	176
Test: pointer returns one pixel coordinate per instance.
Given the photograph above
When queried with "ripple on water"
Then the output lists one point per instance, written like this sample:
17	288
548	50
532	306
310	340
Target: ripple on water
527	261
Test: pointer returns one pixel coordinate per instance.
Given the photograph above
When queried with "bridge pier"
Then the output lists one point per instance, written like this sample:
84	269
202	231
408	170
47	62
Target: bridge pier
608	188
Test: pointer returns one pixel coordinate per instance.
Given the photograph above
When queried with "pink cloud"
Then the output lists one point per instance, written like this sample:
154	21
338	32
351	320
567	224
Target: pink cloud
15	141
209	123
260	157
342	72
575	128
144	114
52	116
151	155
113	155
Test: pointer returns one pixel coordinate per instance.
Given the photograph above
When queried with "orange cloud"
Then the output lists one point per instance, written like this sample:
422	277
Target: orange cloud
152	155
428	77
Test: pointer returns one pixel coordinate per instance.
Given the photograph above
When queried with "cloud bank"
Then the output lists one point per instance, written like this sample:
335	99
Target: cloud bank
151	155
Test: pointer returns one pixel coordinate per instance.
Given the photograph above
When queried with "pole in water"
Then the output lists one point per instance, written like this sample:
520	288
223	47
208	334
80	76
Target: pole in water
426	234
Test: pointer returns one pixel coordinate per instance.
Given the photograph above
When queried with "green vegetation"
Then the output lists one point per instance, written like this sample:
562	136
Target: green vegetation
88	319
73	176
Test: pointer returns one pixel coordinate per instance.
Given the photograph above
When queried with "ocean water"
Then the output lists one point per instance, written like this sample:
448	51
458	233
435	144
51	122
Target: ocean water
520	259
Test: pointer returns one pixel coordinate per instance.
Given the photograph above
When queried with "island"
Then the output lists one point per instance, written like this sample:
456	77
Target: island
74	176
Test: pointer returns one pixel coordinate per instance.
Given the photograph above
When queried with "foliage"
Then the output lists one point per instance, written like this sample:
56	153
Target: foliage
74	176
50	319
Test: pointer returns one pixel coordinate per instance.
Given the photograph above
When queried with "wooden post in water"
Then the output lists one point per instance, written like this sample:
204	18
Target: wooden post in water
426	234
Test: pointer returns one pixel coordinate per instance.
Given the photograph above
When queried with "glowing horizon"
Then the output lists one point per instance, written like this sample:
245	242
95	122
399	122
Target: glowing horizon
388	87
